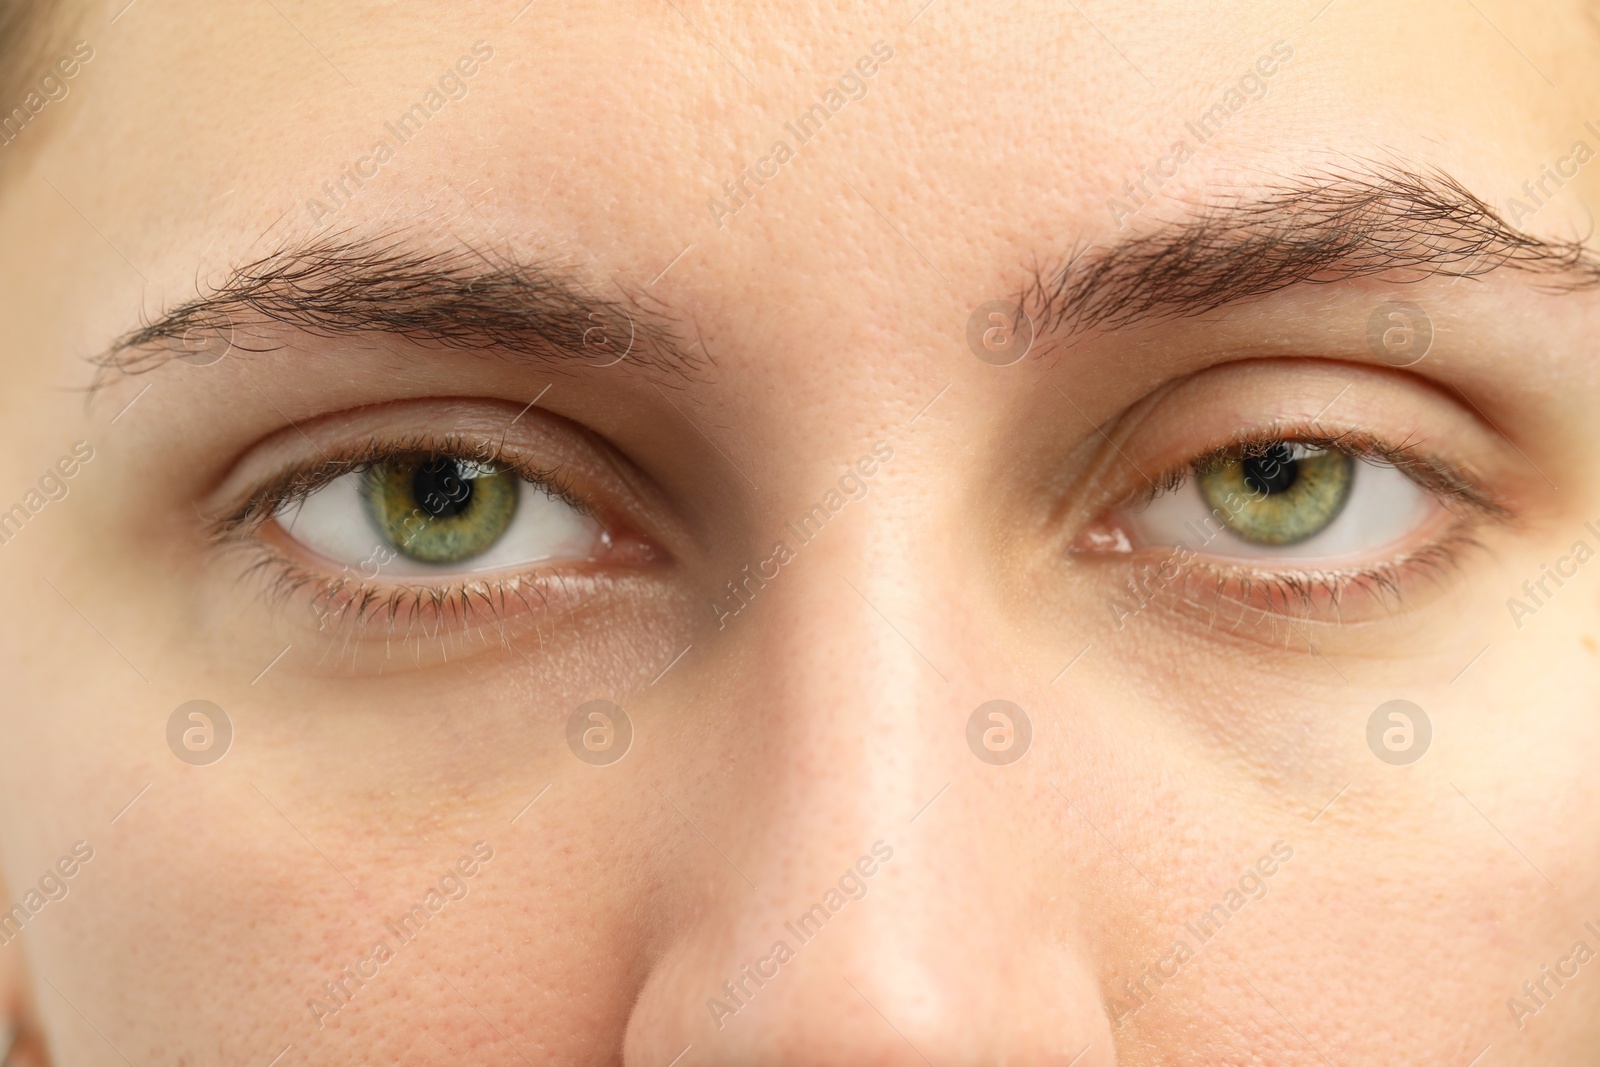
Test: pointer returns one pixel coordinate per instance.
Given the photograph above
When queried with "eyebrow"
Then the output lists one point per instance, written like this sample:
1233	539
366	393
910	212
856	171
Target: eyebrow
459	298
1399	224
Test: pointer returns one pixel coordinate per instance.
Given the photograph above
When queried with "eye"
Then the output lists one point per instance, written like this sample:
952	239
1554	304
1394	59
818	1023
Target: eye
434	509
1284	501
433	513
1289	492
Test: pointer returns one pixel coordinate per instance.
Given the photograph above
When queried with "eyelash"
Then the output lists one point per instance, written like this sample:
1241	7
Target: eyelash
359	603
1274	594
301	481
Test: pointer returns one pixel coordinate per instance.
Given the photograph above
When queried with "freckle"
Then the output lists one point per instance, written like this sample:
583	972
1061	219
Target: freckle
1588	642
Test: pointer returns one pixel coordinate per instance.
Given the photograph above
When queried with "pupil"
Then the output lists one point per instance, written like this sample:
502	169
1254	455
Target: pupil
440	489
1271	472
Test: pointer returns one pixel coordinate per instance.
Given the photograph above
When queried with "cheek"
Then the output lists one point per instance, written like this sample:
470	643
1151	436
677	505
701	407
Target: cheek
167	892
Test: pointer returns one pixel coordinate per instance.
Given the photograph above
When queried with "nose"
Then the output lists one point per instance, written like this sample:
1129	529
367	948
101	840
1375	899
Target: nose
869	890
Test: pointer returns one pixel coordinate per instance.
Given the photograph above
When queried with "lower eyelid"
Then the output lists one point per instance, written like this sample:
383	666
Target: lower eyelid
433	605
1252	601
479	612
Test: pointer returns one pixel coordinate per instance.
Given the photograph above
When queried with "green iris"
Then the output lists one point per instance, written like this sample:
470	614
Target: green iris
1279	494
438	509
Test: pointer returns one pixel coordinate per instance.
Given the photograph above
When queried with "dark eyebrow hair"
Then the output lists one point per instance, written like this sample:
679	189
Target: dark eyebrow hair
1404	225
460	298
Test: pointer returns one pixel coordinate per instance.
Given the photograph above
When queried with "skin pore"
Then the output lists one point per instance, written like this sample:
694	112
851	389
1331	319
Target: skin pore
579	257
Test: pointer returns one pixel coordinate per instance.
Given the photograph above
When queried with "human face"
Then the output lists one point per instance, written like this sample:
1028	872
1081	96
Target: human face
798	381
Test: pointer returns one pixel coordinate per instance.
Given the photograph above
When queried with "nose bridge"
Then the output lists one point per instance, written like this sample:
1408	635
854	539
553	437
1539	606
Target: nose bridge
852	695
869	931
832	720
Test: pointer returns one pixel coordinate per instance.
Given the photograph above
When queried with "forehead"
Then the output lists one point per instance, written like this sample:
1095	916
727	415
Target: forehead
886	148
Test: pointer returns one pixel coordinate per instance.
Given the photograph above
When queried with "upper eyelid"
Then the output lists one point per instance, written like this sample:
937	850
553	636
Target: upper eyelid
301	480
1445	480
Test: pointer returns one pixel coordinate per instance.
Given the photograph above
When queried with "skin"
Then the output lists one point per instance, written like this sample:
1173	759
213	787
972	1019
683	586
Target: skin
831	712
